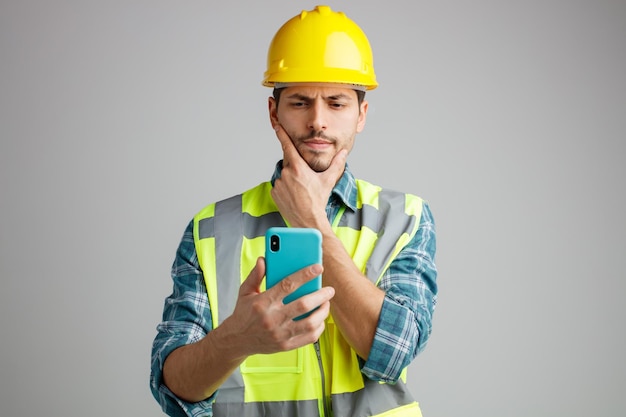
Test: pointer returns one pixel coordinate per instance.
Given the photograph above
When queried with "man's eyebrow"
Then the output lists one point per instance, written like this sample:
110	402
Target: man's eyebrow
300	96
340	96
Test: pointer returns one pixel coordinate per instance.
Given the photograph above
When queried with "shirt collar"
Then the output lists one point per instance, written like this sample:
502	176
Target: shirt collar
343	192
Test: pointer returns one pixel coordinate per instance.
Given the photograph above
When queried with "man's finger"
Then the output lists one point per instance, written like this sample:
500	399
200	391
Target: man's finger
337	165
254	279
294	281
290	152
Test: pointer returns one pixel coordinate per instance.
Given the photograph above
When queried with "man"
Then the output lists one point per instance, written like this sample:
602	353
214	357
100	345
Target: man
226	346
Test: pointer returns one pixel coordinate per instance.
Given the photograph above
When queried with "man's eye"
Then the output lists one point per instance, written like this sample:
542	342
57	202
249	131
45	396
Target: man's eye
337	105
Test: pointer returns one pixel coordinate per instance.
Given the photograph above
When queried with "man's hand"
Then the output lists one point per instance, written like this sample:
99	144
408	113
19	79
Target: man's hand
301	194
261	323
267	324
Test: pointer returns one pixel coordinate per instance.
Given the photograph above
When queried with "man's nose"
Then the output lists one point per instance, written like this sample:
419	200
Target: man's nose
317	117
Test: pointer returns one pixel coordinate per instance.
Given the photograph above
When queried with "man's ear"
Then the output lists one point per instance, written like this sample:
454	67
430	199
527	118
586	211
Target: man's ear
360	124
273	112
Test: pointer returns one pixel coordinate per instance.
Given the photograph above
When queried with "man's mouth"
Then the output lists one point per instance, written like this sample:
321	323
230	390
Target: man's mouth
318	144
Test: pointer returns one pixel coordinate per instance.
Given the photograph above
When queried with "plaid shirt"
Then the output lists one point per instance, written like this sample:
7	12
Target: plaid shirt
403	329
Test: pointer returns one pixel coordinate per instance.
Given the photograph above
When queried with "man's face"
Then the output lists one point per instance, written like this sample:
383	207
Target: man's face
320	120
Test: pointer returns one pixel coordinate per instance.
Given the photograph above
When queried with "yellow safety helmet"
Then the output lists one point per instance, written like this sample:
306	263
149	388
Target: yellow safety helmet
320	46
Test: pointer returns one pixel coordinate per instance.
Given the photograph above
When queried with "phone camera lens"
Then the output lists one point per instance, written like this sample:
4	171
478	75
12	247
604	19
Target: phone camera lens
274	243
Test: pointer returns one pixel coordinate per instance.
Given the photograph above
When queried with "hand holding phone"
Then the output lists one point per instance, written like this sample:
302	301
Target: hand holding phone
289	249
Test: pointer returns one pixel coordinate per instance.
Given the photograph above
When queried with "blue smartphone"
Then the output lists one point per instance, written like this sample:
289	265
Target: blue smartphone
289	249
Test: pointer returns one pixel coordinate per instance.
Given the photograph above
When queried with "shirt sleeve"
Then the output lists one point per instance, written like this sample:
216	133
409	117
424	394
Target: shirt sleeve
186	319
405	321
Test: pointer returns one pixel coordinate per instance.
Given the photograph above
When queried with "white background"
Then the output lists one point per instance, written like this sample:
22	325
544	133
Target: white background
119	120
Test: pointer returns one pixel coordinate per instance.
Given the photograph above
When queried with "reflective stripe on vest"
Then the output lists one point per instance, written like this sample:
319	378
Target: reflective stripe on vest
366	402
229	237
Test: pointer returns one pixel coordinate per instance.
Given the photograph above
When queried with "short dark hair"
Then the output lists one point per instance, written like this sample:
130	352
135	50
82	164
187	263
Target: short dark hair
360	95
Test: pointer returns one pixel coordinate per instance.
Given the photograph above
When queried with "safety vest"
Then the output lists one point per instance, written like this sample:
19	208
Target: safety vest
320	379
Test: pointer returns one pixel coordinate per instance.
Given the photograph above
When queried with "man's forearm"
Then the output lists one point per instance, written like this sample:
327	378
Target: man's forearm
194	372
357	302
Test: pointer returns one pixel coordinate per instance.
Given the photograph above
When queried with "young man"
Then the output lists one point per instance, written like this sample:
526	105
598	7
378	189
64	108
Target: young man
225	346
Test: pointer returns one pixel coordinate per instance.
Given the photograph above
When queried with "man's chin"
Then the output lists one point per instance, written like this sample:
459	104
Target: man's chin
318	164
